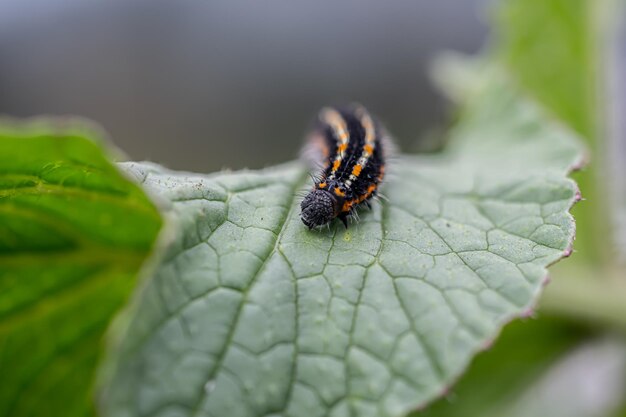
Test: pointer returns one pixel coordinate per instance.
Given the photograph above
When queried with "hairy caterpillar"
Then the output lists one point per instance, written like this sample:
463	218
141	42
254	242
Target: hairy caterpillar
349	148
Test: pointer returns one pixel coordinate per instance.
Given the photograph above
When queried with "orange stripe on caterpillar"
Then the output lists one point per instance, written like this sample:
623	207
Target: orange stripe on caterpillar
348	204
339	192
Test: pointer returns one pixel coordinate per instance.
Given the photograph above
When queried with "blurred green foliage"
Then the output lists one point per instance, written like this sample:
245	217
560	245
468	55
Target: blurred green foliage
74	233
549	45
496	377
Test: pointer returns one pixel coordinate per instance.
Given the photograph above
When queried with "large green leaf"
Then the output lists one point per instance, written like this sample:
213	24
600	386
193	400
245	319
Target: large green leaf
252	314
73	234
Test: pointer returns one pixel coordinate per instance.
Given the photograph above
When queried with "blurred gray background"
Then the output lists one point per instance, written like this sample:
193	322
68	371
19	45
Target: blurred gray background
202	84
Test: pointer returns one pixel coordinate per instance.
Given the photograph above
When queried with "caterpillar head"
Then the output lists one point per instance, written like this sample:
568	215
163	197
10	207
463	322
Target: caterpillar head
319	207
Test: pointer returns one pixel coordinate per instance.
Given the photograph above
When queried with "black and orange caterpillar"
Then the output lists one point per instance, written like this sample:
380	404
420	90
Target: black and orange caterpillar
350	148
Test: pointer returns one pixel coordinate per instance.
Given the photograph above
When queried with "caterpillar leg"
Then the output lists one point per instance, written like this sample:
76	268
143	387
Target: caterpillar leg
344	219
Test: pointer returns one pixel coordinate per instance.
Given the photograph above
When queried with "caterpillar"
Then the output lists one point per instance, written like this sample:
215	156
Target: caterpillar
349	149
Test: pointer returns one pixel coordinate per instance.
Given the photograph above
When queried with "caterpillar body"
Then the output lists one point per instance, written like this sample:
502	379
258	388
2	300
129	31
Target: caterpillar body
349	149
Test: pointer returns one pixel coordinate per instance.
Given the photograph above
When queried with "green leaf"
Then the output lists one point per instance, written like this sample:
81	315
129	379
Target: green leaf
73	234
252	314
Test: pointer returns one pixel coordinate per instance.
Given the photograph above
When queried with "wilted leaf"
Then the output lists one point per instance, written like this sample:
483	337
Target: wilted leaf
73	234
251	314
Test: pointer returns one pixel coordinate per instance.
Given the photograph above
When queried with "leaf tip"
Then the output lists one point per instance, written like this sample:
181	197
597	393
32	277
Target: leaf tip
529	313
578	196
